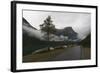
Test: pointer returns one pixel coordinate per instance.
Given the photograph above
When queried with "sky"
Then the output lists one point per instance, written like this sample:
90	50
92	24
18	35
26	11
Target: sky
80	22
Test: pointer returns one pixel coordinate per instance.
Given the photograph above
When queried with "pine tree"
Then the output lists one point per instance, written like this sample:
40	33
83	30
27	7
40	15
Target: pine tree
48	27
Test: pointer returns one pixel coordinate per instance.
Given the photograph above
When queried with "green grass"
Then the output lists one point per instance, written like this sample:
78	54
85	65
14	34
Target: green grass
42	56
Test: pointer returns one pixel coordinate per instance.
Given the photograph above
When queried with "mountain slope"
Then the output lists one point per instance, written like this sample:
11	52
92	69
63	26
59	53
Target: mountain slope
31	31
86	42
26	23
68	31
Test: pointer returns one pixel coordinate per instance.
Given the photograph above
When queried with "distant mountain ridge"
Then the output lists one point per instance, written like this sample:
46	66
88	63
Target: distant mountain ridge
67	31
25	22
31	31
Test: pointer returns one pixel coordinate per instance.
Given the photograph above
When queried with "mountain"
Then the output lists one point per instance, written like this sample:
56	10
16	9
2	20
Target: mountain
33	39
86	42
68	31
59	35
31	31
26	23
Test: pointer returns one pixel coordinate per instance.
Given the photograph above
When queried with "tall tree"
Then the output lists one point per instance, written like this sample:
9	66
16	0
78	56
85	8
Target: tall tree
48	27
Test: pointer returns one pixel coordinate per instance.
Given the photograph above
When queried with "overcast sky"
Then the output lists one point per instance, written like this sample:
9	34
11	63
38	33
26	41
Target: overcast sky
80	22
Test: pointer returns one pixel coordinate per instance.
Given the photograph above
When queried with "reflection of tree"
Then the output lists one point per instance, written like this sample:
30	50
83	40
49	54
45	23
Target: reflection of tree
48	27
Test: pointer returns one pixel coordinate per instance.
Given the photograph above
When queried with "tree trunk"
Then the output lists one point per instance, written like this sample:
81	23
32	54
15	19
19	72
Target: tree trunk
48	38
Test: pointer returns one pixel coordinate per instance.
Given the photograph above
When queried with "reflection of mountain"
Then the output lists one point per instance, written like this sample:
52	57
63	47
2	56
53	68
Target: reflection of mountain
87	41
